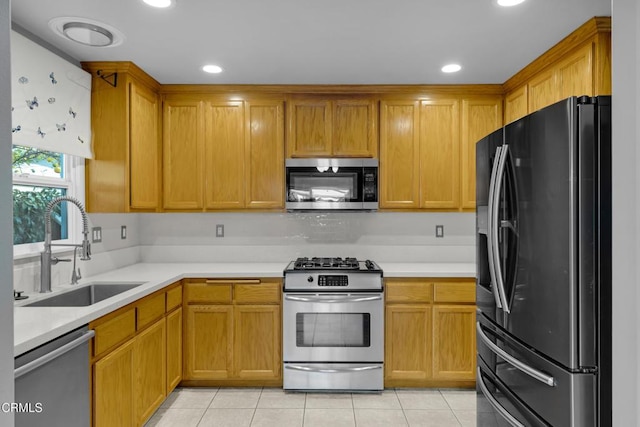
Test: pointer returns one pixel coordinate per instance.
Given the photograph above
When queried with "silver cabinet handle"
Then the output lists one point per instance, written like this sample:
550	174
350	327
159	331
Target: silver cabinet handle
490	226
532	372
25	369
334	300
332	371
495	228
505	414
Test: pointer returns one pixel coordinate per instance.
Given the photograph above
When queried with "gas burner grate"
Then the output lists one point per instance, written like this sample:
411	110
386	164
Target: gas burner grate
317	263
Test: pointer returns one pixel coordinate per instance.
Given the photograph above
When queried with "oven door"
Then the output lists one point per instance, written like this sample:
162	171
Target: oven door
333	327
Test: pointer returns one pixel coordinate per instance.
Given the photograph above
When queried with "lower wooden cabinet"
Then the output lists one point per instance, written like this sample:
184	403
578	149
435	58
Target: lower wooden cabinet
149	364
113	403
430	336
233	332
133	372
174	349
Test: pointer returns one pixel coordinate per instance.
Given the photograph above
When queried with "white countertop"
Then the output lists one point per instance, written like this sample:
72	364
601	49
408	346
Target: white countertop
34	326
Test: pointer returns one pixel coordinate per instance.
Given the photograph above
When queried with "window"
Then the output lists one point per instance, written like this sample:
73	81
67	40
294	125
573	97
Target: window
38	177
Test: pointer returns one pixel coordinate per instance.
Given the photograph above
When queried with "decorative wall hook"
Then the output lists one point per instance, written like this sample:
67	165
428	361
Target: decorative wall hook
106	77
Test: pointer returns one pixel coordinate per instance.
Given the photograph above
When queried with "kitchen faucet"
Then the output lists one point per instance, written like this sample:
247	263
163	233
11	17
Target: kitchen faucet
46	260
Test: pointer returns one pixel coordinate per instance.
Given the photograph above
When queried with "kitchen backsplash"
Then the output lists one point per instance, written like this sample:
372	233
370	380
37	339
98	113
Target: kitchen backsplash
276	237
263	237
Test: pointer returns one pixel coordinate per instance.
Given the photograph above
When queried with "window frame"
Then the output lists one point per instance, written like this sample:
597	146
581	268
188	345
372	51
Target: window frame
73	183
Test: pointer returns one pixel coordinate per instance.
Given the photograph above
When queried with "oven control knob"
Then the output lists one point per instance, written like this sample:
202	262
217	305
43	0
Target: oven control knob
310	279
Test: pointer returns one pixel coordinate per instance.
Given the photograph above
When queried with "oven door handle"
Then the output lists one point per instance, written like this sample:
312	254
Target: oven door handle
332	371
333	300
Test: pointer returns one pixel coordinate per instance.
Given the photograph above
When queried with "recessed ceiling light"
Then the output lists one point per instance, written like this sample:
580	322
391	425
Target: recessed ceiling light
213	69
86	31
159	3
507	3
451	68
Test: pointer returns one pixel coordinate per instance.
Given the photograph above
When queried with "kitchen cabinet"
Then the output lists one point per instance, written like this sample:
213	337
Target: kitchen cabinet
430	333
233	332
427	150
221	154
149	367
135	355
331	126
183	153
578	65
481	115
124	174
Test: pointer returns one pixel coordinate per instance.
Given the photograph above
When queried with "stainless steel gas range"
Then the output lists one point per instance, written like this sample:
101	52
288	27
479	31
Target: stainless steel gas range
333	325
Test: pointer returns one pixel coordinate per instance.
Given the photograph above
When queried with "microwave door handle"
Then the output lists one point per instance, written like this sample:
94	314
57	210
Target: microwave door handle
333	300
490	224
492	400
495	228
532	372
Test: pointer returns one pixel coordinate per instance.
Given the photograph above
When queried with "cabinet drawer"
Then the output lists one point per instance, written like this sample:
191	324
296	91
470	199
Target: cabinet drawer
114	331
268	293
210	291
150	309
174	298
408	291
455	292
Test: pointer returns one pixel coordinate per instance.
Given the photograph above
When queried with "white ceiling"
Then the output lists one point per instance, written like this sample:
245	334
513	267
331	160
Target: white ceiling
319	41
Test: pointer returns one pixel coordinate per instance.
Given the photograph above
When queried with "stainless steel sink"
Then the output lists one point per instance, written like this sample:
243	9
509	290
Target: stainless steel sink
85	296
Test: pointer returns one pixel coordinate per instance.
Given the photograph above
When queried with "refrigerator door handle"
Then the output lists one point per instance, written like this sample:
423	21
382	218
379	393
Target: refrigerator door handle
490	226
495	227
492	400
532	372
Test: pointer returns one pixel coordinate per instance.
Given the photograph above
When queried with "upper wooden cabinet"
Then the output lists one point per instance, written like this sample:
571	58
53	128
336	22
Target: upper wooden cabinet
578	65
427	150
331	127
481	115
124	174
222	154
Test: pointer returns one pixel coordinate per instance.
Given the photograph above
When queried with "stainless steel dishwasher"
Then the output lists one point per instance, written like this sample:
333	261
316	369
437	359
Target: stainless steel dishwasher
52	382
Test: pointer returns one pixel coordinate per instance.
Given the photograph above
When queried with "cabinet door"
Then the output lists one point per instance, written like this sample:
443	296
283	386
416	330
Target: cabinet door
309	128
543	90
407	342
454	342
113	388
480	117
208	350
440	154
354	128
183	132
264	161
516	104
399	154
575	73
144	150
149	363
174	349
257	347
224	155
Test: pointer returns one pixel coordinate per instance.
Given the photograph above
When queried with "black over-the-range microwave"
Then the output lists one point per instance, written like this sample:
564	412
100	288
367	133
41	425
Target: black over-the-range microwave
332	184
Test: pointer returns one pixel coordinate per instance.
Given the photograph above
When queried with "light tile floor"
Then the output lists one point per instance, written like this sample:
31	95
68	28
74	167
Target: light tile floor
270	407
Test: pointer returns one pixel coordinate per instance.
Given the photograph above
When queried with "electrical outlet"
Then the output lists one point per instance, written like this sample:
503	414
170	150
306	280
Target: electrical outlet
439	230
123	232
219	230
96	235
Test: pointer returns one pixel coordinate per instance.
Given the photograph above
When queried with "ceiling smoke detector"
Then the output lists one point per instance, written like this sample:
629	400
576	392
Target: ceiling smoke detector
86	32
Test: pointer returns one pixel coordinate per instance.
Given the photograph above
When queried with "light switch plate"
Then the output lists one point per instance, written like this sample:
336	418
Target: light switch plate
123	232
439	230
219	230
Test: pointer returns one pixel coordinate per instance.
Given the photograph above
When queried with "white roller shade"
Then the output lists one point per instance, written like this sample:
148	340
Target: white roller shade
50	100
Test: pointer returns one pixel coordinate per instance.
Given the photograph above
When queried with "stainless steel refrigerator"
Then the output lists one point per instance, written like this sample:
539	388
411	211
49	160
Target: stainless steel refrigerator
543	223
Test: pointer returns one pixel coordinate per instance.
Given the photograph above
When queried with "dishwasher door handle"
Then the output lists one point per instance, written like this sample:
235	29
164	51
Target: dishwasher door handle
34	364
